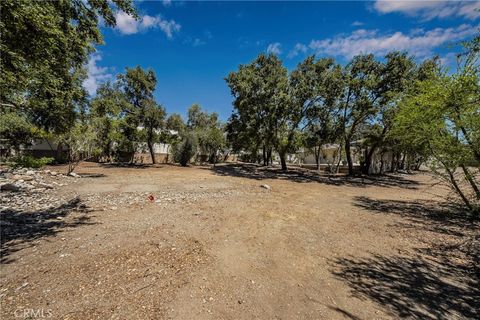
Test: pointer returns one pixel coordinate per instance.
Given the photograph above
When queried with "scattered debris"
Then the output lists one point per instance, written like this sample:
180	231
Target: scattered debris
266	186
31	189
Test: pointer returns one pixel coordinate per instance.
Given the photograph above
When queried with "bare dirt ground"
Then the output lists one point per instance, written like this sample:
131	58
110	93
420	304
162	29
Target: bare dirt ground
213	244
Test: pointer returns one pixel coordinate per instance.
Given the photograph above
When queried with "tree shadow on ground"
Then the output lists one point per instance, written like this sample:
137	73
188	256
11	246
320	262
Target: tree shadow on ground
92	175
302	175
441	217
21	228
411	287
440	280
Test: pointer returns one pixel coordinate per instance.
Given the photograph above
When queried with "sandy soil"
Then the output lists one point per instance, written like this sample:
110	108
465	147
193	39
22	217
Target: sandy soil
214	244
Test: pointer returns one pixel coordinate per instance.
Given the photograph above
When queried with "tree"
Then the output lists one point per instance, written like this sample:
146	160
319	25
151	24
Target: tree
261	106
315	88
44	48
175	127
105	115
81	144
175	122
208	131
153	119
140	108
395	77
16	130
441	116
359	99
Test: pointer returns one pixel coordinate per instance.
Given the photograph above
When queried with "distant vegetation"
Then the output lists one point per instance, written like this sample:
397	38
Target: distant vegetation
416	112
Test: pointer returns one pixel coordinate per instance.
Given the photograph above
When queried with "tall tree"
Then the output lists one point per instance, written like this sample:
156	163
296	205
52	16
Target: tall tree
395	76
140	109
44	47
360	99
261	106
315	88
105	114
208	131
441	116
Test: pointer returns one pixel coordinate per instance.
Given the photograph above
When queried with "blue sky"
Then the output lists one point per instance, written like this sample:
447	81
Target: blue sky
192	46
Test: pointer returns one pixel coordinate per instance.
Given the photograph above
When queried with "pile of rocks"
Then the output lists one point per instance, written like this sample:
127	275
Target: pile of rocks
31	189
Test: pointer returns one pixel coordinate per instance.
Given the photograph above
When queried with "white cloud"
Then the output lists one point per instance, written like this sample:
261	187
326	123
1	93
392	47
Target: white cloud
418	42
167	3
430	9
357	24
95	74
299	48
274	48
126	24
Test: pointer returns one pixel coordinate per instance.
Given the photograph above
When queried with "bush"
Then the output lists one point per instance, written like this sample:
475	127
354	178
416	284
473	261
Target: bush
30	162
185	150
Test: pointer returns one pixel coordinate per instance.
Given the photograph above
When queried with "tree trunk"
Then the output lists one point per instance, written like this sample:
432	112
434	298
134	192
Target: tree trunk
392	164
264	153
457	188
349	156
402	163
283	161
471	180
382	163
476	152
317	157
340	149
150	148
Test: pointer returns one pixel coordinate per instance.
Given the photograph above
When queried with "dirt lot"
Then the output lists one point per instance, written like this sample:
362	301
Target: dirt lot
213	244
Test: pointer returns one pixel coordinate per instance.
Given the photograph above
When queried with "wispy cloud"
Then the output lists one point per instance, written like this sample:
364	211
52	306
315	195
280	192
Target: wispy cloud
299	48
274	48
198	42
357	24
126	24
95	74
418	42
430	9
167	3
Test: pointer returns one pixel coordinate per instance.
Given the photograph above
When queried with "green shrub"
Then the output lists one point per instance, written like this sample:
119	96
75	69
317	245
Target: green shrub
30	162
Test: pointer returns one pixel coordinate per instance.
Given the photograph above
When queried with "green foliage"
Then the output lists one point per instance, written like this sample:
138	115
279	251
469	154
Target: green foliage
208	131
105	117
316	87
262	115
441	119
140	109
185	150
16	130
175	122
44	46
28	161
81	144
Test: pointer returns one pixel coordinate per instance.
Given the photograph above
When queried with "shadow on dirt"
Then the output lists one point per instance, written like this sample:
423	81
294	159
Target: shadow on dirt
440	280
411	287
302	175
21	228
